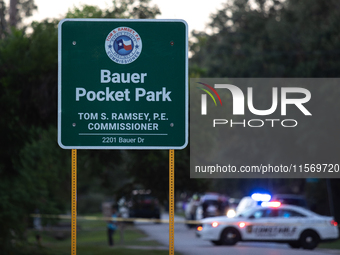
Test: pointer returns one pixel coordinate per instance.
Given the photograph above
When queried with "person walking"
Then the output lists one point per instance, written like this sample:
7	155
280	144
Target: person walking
112	226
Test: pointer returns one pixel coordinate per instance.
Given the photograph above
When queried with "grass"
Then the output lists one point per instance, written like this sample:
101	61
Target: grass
92	239
181	214
330	245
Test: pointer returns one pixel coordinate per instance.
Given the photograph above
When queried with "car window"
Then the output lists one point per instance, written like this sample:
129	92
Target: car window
271	213
258	214
285	213
264	213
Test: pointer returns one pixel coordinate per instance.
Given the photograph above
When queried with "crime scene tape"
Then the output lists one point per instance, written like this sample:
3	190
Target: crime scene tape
65	216
193	222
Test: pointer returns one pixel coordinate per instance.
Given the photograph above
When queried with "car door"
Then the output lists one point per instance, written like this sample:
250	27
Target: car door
289	224
261	225
278	224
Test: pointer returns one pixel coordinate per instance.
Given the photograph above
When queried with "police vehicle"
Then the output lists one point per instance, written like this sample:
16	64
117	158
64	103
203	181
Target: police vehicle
271	222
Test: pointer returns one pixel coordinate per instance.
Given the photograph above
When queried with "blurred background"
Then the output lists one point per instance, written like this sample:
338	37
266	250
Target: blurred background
259	38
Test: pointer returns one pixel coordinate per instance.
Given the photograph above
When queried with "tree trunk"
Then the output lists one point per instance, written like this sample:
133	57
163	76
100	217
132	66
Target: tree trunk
13	11
3	24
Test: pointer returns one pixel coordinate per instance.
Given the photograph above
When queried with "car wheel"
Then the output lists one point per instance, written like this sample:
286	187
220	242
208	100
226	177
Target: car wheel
230	236
309	240
295	245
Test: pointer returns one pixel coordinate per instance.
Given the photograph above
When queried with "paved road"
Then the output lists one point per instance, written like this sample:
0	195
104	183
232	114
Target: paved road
188	244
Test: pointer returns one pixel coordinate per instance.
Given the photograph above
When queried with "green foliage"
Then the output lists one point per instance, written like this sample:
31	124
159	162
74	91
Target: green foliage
34	171
275	39
25	101
47	171
28	75
151	169
122	9
101	173
86	11
39	180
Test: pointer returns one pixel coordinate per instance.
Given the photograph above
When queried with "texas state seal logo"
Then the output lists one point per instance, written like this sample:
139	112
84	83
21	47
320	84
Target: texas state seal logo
123	45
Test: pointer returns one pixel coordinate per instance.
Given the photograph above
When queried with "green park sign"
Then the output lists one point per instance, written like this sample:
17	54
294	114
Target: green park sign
122	84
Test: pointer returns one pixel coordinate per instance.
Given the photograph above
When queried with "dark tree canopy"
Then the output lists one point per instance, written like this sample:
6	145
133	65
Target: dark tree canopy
273	39
34	171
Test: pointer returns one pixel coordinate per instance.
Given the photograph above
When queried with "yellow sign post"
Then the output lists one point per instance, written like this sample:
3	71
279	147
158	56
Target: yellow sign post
74	204
171	201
